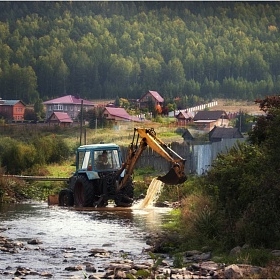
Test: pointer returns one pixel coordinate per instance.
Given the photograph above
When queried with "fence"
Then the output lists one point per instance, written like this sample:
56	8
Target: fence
199	157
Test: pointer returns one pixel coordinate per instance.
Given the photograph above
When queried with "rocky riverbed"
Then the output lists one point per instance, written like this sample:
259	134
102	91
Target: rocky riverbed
120	265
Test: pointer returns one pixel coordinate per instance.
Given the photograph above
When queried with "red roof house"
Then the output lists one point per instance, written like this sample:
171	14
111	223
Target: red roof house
67	104
59	118
183	118
118	114
151	96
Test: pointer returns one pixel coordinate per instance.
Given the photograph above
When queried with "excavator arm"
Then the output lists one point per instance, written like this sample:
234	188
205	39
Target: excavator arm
175	176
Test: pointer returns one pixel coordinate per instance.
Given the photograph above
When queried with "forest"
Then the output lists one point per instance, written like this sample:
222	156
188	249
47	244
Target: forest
98	50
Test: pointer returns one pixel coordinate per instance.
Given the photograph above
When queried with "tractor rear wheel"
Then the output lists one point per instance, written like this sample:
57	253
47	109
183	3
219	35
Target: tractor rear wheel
65	198
83	192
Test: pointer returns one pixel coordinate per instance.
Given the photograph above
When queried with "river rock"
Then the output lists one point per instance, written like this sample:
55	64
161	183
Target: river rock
90	268
46	274
122	266
235	251
233	271
92	276
74	268
107	245
34	241
119	274
101	253
141	266
276	253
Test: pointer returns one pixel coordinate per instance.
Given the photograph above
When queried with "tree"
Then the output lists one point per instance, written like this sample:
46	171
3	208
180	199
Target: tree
245	182
39	108
30	115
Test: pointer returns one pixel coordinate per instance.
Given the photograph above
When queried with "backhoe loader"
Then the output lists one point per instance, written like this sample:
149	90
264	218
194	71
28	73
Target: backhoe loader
101	175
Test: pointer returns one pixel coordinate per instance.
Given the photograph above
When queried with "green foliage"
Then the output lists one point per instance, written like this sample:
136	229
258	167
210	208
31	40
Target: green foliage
251	256
12	189
19	157
147	273
178	260
41	190
236	202
174	48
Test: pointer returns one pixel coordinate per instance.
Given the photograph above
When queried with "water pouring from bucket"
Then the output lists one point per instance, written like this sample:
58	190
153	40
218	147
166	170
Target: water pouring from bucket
175	175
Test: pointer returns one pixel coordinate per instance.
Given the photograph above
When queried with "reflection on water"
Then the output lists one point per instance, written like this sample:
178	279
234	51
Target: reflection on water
60	228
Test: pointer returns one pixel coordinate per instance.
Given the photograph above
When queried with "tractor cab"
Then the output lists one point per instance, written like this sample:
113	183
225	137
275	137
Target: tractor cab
98	158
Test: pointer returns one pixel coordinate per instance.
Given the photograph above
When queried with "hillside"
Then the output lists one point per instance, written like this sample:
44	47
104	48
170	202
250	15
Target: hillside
197	51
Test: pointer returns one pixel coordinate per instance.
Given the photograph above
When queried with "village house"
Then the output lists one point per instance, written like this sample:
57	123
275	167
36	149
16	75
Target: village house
184	118
187	136
119	117
12	109
67	104
151	97
118	114
220	133
207	120
59	119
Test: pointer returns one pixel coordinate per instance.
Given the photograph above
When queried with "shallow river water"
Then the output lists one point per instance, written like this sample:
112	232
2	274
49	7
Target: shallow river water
66	237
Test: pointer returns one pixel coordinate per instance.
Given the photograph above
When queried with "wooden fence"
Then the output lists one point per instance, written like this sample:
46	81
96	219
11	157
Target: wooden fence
199	157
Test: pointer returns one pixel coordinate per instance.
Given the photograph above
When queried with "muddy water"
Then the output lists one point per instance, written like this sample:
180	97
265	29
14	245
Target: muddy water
67	236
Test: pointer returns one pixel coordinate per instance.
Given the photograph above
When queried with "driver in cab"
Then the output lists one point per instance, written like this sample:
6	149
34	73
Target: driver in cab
103	162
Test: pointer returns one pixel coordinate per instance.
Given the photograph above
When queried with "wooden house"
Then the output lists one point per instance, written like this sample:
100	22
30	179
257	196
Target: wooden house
183	118
60	119
220	133
187	136
207	120
118	114
12	109
151	98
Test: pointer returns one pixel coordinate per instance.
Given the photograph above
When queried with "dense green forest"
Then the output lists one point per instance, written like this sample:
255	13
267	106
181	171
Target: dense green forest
106	49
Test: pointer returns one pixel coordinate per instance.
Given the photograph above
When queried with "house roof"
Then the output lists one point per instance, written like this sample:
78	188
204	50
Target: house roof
121	113
210	115
61	117
225	133
10	102
155	94
187	135
186	115
69	99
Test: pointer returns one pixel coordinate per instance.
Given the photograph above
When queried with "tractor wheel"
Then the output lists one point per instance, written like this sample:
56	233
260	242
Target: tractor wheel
83	192
65	198
124	198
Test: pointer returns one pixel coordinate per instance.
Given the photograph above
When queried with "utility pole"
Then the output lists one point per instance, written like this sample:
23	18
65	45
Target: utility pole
81	122
240	121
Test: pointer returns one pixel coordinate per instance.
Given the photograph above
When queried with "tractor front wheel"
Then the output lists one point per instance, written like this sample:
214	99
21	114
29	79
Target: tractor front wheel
83	192
65	198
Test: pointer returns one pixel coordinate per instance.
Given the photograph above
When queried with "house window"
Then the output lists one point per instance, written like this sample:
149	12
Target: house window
58	107
65	107
71	108
50	108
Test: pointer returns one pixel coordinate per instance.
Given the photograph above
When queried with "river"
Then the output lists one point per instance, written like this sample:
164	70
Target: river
66	237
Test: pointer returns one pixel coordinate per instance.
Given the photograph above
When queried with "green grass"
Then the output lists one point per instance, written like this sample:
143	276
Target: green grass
61	170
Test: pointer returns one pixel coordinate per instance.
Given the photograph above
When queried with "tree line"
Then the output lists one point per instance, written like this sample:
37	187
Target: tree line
105	49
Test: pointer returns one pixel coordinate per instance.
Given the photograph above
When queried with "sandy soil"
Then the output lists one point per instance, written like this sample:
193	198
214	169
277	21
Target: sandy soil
236	106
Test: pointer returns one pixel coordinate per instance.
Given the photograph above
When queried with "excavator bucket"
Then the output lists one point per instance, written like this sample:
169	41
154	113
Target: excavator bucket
174	176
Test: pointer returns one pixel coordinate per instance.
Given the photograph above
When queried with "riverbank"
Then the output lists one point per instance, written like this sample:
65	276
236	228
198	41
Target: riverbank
37	241
198	265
